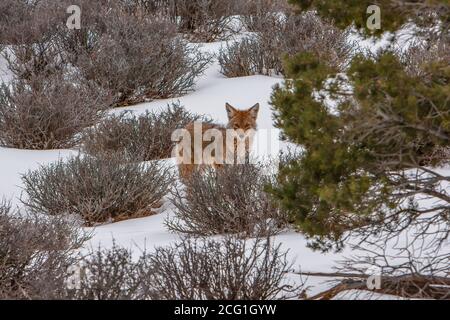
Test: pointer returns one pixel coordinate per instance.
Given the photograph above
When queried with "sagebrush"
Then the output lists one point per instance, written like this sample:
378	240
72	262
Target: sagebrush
204	20
138	137
99	189
48	112
25	22
229	199
136	58
226	269
109	274
256	12
191	269
280	36
36	253
247	57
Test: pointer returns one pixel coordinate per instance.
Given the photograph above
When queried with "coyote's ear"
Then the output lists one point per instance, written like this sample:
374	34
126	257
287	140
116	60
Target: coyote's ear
254	110
230	110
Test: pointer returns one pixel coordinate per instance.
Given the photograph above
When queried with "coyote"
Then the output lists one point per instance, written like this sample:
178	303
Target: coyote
210	144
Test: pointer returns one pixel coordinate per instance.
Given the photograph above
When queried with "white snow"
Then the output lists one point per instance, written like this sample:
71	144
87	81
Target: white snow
15	162
5	75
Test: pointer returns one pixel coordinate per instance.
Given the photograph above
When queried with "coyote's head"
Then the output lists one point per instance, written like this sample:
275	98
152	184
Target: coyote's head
242	119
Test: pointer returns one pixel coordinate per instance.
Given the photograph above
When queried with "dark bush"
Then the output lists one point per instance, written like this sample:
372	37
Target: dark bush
256	12
136	58
138	138
47	111
73	43
230	199
204	20
39	59
47	103
230	268
280	36
25	22
97	189
29	31
134	55
247	58
154	7
190	269
109	274
36	253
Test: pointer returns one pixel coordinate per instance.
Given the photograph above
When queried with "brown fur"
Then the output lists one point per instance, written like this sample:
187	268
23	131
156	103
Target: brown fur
237	119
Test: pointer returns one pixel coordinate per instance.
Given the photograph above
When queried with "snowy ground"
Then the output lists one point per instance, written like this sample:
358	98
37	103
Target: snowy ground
209	97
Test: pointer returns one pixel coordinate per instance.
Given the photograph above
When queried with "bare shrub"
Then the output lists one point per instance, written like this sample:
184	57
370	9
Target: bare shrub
257	12
40	58
190	269
29	30
246	58
135	58
97	189
47	112
35	254
420	53
133	55
230	199
306	32
230	268
47	104
32	48
74	43
25	22
281	36
14	15
138	138
109	274
204	20
154	7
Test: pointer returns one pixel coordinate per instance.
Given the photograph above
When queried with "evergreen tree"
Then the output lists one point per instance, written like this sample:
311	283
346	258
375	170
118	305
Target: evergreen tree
367	159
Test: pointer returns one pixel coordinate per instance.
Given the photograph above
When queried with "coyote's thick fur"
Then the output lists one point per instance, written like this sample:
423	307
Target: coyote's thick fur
240	129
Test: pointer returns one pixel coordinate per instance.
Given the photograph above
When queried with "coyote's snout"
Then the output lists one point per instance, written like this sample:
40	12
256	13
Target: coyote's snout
210	144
